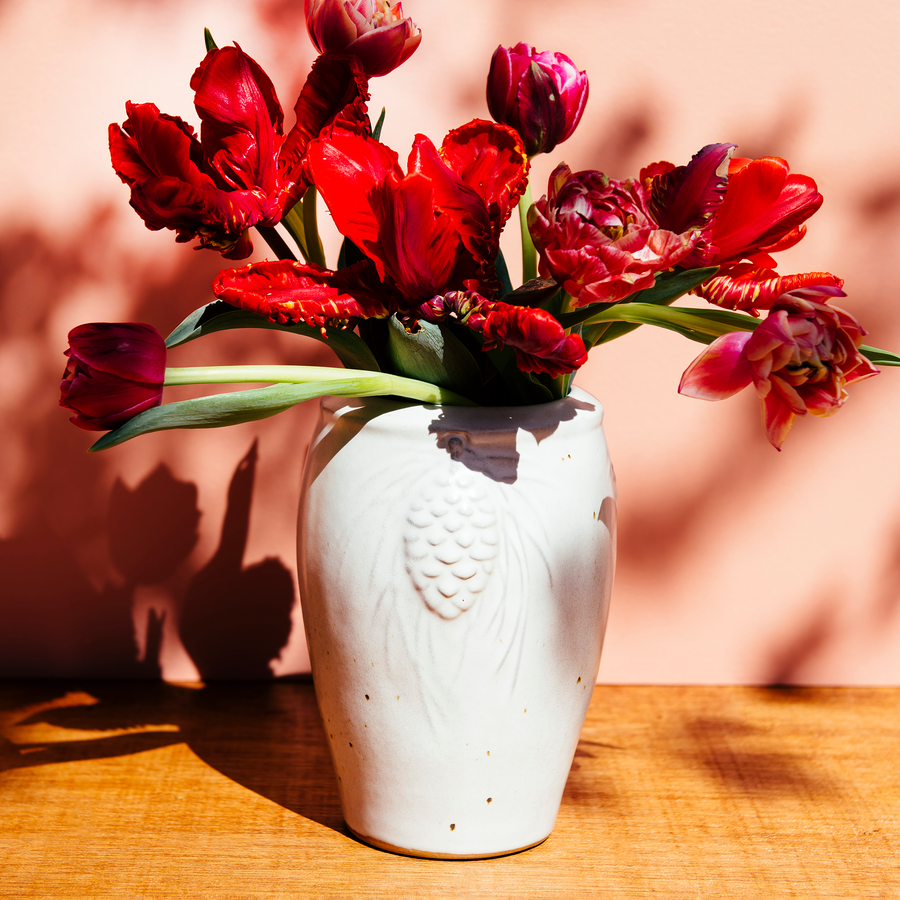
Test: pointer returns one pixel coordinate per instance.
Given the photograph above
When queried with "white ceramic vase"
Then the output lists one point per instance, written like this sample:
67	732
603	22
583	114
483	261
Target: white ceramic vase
455	571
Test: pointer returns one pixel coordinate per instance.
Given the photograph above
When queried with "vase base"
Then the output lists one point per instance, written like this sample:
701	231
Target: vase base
424	854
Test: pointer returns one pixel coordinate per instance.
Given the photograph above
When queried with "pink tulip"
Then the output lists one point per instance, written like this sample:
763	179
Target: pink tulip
114	372
541	95
596	237
373	30
800	360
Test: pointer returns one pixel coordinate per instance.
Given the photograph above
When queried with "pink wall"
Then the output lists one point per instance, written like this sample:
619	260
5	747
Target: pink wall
737	564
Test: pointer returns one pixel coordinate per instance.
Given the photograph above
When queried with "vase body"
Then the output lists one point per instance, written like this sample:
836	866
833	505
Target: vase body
455	571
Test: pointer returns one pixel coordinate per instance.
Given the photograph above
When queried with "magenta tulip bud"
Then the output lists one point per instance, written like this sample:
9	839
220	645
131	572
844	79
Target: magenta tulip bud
375	31
114	372
541	95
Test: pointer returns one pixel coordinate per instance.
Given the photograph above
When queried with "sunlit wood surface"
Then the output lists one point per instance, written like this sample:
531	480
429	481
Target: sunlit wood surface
142	790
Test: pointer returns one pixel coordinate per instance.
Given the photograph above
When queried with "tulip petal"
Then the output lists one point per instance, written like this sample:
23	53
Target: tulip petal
336	86
241	120
721	370
764	207
418	249
375	31
491	159
460	202
397	220
688	196
113	372
541	95
150	144
286	291
778	419
345	168
746	286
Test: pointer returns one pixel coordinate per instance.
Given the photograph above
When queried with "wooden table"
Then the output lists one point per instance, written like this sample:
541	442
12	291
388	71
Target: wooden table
136	790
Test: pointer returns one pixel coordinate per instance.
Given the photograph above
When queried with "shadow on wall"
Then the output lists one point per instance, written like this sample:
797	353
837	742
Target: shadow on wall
233	621
79	548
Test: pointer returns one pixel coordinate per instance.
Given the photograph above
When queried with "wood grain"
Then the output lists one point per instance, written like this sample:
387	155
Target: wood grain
146	790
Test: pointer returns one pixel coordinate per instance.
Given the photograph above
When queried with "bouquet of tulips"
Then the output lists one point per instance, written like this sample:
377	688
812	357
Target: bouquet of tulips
420	303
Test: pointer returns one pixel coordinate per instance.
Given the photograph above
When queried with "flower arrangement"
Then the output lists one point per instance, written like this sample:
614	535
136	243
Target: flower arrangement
420	303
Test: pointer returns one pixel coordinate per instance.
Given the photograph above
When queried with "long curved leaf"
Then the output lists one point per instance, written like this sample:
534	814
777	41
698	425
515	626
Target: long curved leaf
880	357
703	325
235	407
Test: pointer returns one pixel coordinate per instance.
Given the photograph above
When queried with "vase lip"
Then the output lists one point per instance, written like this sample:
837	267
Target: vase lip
579	406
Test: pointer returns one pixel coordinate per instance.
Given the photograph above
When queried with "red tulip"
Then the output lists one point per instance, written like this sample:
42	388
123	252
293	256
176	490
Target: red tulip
242	171
436	227
745	213
596	237
800	359
763	210
539	341
749	287
541	95
114	372
375	31
430	237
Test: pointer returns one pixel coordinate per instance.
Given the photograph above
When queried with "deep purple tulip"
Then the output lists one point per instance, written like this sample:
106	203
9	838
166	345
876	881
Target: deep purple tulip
541	95
115	371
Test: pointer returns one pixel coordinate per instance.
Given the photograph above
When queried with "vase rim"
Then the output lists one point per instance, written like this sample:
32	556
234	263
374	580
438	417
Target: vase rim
578	405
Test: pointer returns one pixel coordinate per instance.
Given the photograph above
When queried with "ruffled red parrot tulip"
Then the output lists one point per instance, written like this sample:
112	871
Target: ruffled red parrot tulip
430	235
242	171
114	371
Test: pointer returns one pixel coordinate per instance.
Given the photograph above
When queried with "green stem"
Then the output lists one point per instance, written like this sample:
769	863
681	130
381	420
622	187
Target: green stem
529	254
293	223
371	383
275	241
311	229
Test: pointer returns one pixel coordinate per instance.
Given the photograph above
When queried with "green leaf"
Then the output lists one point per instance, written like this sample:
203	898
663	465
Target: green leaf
433	354
292	221
349	254
220	316
703	325
880	357
667	288
235	407
213	411
502	275
376	131
593	335
275	241
208	38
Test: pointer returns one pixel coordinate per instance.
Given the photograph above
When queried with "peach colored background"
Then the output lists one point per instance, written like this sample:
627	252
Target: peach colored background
736	564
